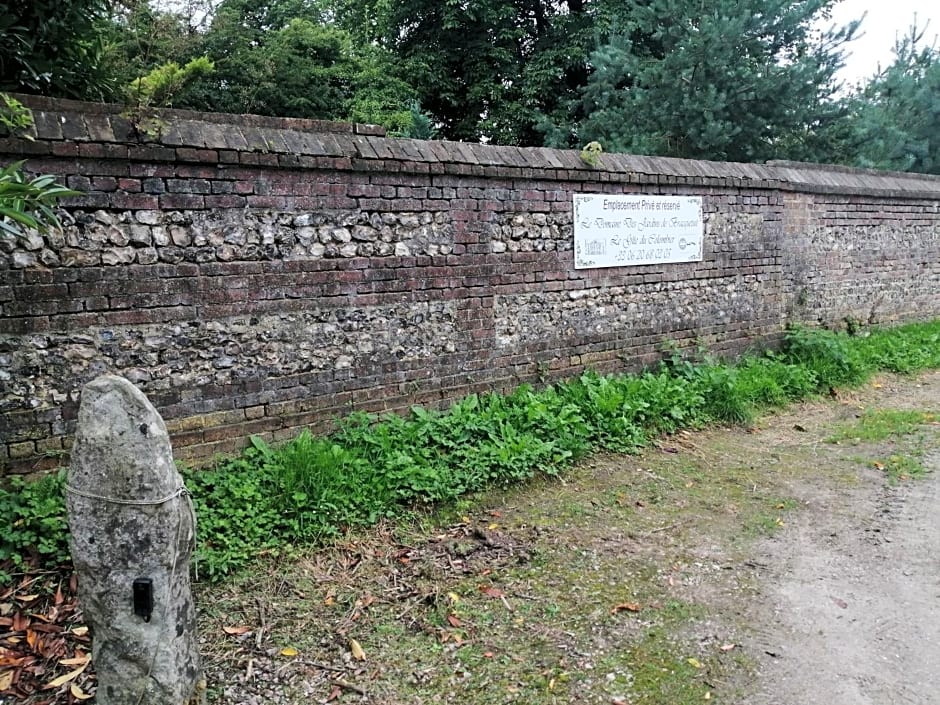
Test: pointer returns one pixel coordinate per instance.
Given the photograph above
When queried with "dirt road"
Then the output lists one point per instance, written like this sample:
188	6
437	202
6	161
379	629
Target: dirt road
849	610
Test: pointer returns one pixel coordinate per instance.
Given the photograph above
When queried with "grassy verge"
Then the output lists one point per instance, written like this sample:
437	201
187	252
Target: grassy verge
623	581
269	499
904	429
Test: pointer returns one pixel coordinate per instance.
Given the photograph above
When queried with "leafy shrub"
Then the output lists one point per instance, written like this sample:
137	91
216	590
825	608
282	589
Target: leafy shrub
917	349
831	357
27	203
32	523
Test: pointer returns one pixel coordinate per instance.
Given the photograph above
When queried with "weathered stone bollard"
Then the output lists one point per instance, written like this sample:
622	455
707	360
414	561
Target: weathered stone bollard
132	532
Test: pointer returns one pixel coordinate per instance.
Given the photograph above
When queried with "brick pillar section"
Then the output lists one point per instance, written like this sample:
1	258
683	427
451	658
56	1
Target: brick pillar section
260	275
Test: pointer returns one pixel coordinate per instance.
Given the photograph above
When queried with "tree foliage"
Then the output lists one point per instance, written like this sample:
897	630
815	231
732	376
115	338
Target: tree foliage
159	86
270	57
745	80
729	79
487	69
53	47
896	115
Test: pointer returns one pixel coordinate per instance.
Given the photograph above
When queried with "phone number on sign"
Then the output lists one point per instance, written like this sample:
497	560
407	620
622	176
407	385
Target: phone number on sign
649	253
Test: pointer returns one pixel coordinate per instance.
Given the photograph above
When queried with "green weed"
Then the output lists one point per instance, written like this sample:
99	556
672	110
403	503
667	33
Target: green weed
907	350
834	359
32	524
881	424
901	467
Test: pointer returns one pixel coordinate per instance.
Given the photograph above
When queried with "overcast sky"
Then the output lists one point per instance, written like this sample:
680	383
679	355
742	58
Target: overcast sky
885	19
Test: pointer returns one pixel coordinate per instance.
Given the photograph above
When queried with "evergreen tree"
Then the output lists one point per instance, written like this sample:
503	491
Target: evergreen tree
896	115
745	80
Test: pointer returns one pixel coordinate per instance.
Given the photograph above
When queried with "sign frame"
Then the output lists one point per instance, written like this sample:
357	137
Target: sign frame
625	230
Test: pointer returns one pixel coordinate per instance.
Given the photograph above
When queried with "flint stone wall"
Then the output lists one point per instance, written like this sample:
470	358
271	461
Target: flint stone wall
258	275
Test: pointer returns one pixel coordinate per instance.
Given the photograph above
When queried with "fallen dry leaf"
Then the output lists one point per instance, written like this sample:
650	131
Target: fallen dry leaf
694	662
6	680
80	631
77	661
840	603
78	693
490	591
727	647
289	651
356	650
27	598
626	607
9	658
62	680
454	620
236	631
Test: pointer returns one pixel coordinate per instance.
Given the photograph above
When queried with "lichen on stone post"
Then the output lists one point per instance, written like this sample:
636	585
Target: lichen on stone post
131	519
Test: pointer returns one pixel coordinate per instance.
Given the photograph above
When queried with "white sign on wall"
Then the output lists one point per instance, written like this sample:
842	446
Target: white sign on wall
619	231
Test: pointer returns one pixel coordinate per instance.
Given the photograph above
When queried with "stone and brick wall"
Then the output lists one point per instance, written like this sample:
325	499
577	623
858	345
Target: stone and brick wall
259	275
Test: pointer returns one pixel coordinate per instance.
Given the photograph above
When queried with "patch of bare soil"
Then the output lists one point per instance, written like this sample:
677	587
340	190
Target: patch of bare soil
846	612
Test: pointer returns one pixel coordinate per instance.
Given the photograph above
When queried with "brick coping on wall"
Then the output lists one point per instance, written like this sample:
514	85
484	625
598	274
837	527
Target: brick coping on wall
99	130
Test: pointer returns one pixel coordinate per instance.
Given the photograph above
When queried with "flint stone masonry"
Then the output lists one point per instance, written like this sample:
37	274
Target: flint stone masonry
533	232
242	349
149	237
127	520
259	275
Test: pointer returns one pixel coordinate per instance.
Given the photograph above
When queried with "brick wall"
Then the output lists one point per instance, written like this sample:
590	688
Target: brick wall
260	275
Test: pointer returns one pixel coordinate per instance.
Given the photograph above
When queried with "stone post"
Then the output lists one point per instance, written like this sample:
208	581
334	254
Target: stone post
132	533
